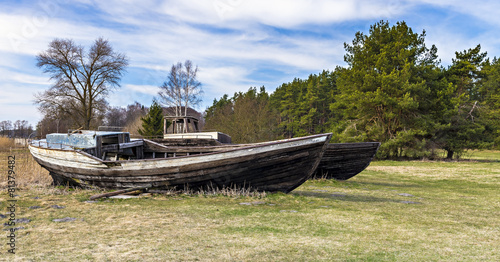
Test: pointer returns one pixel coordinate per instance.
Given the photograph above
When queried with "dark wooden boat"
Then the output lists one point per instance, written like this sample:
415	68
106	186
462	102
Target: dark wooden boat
340	161
345	160
112	160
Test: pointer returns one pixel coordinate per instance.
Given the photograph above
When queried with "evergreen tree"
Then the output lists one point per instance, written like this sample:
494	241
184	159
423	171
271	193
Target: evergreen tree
303	105
246	117
490	93
215	115
285	99
463	124
152	123
383	94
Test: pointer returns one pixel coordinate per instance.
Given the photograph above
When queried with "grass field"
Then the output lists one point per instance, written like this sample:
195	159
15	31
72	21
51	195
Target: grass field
393	211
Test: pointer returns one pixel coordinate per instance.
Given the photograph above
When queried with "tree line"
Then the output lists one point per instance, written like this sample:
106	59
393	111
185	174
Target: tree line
128	117
393	90
18	128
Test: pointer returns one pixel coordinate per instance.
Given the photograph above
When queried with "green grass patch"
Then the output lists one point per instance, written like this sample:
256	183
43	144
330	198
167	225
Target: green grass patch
489	155
493	155
393	211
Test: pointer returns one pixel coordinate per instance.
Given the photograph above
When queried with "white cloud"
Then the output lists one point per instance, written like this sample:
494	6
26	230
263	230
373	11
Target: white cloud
10	76
279	13
17	104
223	80
485	10
145	89
450	37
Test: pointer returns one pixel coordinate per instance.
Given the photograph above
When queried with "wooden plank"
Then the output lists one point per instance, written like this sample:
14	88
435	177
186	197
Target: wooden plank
139	152
118	192
98	147
116	147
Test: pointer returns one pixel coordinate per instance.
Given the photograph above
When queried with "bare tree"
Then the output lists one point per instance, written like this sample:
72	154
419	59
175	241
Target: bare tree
5	127
18	128
82	80
54	116
116	116
22	128
53	123
134	111
182	88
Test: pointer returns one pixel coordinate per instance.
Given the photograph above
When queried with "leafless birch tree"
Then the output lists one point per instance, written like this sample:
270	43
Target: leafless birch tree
182	89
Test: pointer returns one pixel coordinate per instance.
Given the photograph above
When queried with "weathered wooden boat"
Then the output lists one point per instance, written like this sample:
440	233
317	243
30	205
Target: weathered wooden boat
340	161
345	160
112	160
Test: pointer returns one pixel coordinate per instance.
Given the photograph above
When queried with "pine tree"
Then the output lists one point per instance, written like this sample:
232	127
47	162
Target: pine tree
463	126
383	95
247	117
152	123
490	93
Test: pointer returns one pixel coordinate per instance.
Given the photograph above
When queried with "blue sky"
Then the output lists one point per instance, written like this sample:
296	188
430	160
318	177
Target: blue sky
236	44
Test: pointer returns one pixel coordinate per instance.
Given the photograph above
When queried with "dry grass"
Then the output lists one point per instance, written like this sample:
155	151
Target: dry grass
28	171
394	211
6	143
226	191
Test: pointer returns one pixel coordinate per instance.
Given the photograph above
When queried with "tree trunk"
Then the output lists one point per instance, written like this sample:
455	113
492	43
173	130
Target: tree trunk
449	154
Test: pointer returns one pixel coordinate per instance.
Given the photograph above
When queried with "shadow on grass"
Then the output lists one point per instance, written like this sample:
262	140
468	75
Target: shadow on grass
347	197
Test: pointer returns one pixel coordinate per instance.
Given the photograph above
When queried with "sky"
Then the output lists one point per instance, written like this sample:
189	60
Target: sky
236	44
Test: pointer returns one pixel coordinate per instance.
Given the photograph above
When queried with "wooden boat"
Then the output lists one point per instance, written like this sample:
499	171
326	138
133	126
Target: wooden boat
340	161
345	160
112	160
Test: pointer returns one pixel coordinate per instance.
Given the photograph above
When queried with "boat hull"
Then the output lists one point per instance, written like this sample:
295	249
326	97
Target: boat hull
274	166
345	160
